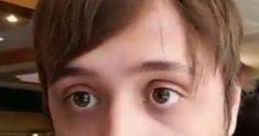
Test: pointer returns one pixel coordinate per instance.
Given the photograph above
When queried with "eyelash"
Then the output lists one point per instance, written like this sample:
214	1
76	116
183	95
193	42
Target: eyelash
172	85
67	93
148	88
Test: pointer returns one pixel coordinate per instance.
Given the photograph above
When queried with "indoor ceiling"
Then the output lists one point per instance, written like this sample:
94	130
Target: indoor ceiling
30	4
16	55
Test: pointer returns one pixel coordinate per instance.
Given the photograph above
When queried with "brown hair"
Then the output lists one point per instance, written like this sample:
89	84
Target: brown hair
64	29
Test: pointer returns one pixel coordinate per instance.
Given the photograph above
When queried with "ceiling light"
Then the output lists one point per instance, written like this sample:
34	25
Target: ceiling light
12	18
34	134
1	39
29	78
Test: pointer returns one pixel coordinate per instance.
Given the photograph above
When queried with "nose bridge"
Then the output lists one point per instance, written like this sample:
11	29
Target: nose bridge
126	117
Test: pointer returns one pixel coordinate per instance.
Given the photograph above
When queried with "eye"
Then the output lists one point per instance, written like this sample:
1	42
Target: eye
164	97
82	99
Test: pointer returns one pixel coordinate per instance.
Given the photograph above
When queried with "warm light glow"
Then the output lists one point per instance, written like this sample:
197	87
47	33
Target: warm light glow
12	18
1	39
34	134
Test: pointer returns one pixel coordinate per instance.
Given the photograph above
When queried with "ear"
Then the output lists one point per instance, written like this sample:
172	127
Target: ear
234	103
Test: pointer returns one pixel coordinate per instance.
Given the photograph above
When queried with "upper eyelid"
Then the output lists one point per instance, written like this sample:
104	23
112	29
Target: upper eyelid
179	89
66	86
67	92
69	82
176	79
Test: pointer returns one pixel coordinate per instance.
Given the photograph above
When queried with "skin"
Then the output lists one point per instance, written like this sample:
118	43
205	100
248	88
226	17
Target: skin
121	76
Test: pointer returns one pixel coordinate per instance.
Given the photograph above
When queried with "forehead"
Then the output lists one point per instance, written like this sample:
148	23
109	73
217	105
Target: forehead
158	34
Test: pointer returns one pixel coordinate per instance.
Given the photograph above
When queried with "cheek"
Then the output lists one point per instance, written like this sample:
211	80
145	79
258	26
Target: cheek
204	113
68	123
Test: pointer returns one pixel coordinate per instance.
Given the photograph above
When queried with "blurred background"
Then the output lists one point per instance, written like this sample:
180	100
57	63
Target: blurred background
20	93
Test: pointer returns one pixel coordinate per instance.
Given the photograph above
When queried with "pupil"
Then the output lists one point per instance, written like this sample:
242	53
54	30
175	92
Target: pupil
161	95
81	99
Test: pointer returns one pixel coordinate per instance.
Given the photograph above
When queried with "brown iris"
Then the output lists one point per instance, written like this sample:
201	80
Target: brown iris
161	95
81	99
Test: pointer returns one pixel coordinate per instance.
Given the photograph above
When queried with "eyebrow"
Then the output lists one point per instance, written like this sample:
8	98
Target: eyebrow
161	66
148	66
72	71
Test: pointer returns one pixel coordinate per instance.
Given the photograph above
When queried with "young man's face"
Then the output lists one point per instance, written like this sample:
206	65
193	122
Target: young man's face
138	83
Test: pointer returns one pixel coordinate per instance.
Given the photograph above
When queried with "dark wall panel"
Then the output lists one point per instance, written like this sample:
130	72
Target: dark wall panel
20	100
